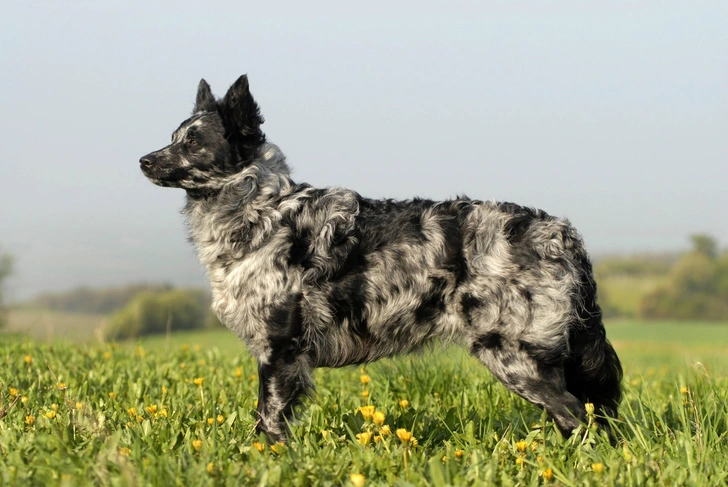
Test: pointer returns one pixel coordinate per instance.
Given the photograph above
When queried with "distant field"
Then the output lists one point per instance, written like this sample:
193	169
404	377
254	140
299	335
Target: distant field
50	325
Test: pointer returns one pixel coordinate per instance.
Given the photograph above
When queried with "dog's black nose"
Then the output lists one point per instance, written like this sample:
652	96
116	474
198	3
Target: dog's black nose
146	161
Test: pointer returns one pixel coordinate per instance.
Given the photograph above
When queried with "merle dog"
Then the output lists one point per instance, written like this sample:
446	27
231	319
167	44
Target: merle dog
311	277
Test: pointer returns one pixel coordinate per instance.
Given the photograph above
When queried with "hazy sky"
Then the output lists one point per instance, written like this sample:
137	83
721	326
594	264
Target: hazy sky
613	114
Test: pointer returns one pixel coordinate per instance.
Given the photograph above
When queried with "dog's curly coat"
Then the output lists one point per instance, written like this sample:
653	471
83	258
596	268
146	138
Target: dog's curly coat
312	277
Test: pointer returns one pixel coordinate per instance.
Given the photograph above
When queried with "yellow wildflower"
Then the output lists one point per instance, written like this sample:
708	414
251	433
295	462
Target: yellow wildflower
239	372
125	451
210	468
519	461
385	430
198	381
259	446
12	391
197	444
29	420
597	468
358	479
50	414
220	419
404	435
278	448
521	446
365	379
163	412
534	445
79	405
132	412
140	418
459	453
112	395
252	377
28	359
54	407
378	418
548	474
364	438
24	399
164	390
589	408
364	394
366	411
683	390
151	409
62	386
444	458
403	403
107	355
210	421
182	366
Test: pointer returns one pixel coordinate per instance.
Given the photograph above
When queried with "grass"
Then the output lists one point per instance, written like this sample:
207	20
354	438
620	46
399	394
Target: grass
139	415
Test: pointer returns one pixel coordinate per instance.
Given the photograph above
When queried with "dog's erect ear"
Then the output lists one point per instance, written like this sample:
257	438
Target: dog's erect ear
205	101
239	112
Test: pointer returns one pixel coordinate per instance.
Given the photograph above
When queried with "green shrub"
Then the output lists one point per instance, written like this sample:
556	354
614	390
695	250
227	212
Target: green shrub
149	313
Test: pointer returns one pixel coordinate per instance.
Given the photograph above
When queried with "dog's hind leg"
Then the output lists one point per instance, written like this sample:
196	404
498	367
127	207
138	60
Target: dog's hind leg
536	381
283	383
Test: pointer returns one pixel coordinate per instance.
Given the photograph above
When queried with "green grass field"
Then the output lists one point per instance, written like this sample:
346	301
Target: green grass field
179	410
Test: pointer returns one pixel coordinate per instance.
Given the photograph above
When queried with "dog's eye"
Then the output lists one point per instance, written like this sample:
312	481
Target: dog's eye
191	142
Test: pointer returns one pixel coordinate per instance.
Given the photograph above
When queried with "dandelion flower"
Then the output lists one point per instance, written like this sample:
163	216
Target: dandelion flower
124	451
403	403
210	421
198	381
164	390
12	391
521	446
50	414
24	399
597	468
197	444
151	409
278	448
378	418
404	435
548	474
365	379
29	420
259	446
54	407
28	359
364	438
365	394
358	479
107	355
220	419
112	395
683	390
519	461
210	468
459	453
79	406
62	386
589	408
366	411
385	430
132	412
239	372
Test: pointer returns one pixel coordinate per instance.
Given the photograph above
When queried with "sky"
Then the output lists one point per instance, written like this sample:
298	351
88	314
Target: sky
613	114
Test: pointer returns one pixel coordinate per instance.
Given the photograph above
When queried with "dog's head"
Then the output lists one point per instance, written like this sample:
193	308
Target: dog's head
218	140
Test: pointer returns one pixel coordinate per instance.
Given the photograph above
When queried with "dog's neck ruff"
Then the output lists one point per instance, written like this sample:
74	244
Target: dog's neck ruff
243	211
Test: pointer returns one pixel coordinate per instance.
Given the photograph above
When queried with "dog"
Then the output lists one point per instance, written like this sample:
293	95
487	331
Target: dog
311	277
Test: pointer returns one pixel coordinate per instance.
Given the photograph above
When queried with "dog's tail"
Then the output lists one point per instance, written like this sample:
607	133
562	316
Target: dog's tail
593	371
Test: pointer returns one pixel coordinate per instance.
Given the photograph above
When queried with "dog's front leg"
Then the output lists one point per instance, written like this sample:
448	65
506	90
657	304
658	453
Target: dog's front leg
283	383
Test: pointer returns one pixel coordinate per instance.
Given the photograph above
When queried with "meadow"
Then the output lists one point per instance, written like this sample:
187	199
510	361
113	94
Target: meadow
180	410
